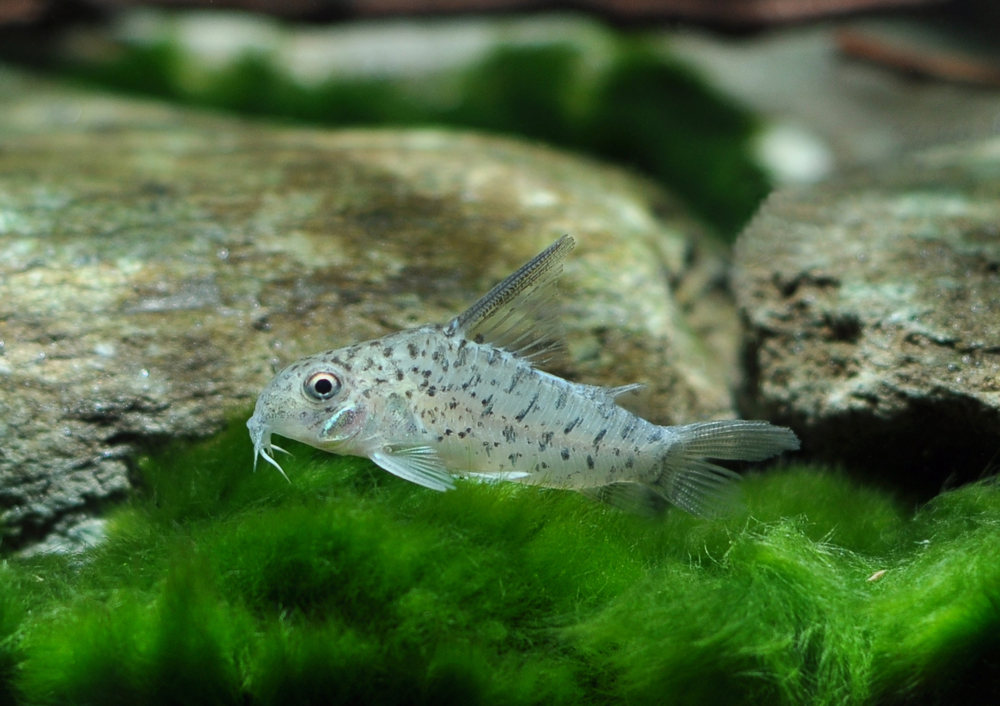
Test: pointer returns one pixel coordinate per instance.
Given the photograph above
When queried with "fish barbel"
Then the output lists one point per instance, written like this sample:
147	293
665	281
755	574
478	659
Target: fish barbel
465	399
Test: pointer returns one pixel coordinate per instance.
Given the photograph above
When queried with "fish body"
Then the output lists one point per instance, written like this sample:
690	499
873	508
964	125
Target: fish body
465	399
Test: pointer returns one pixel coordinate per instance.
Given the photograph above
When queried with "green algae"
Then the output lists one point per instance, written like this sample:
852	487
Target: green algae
221	586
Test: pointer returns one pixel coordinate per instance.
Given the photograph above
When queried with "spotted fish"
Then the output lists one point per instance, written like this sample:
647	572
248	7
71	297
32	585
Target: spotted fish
466	399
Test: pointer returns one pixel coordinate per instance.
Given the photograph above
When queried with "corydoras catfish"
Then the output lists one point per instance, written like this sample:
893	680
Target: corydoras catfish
465	399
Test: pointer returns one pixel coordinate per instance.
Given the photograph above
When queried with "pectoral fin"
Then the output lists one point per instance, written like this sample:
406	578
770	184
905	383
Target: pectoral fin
417	464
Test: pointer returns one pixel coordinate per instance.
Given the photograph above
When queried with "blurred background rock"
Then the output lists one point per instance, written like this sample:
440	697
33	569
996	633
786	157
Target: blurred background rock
718	100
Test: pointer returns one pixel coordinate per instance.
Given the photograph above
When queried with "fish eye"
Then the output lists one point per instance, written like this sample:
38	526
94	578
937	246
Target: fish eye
322	386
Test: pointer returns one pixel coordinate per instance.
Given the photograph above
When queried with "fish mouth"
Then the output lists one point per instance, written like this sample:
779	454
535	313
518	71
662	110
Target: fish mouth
260	435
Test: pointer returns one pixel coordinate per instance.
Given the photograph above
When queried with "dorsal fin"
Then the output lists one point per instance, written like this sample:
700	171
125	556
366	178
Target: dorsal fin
517	314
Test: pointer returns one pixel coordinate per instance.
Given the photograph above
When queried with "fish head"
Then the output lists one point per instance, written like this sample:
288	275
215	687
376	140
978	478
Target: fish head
315	401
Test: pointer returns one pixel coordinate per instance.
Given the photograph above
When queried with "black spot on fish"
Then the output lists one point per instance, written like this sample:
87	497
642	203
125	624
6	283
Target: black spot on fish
447	432
414	351
487	400
461	435
409	394
629	428
572	425
440	438
544	465
513	458
472	395
600	435
373	344
453	404
379	381
463	355
436	356
431	391
496	444
518	374
590	462
399	374
509	435
565	454
366	394
523	413
630	462
427	373
561	399
479	338
654	436
387	351
546	440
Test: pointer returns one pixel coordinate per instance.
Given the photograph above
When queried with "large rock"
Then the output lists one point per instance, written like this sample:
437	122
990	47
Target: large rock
874	312
157	265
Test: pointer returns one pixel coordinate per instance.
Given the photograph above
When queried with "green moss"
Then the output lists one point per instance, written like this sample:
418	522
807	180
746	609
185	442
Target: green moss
522	90
659	116
150	70
348	585
128	645
937	613
11	617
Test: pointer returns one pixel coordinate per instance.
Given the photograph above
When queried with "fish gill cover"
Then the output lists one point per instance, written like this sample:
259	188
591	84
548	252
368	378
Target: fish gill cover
219	586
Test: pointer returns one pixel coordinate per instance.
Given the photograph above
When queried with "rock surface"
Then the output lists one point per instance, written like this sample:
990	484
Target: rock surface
873	304
157	265
833	114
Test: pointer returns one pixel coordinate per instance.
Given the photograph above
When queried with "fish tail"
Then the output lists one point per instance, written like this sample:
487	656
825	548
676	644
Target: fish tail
703	488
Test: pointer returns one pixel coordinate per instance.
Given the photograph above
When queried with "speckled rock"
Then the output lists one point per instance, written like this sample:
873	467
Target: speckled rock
874	311
157	265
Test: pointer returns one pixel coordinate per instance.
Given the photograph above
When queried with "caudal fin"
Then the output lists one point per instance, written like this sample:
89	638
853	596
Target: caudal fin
702	488
690	482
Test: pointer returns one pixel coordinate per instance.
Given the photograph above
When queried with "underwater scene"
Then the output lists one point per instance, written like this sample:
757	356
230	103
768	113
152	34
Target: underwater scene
477	356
